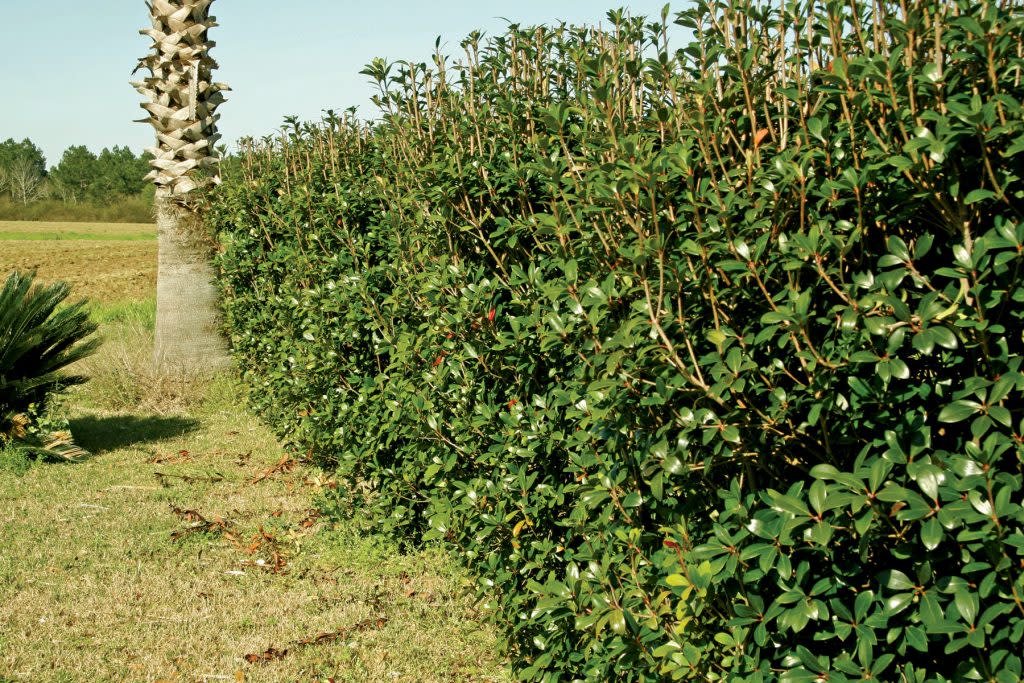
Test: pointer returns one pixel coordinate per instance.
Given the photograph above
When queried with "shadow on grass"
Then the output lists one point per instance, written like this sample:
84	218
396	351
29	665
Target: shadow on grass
104	434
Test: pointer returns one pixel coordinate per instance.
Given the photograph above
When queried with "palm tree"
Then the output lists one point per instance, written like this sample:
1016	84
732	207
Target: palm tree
181	102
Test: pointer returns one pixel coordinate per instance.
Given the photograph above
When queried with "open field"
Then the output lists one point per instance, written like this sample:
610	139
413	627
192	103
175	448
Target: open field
48	230
104	262
187	549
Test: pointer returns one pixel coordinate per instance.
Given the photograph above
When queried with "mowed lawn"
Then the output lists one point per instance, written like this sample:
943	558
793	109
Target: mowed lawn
109	262
189	547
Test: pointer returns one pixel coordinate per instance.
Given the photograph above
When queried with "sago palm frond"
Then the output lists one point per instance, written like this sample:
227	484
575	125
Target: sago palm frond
37	342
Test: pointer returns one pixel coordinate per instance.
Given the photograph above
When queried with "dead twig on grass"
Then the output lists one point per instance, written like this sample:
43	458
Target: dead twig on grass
199	524
170	458
311	519
273	654
286	464
121	487
165	478
275	561
271	554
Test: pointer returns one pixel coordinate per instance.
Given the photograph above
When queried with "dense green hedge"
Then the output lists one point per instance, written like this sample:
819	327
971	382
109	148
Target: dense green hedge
706	361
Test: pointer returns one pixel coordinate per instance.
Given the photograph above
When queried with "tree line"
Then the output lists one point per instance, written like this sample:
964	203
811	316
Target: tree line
81	176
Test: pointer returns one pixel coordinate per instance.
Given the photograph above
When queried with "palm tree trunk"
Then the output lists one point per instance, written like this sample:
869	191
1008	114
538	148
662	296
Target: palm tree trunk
187	323
182	99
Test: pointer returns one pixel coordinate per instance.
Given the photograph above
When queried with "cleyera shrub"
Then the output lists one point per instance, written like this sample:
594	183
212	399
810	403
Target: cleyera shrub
40	337
707	361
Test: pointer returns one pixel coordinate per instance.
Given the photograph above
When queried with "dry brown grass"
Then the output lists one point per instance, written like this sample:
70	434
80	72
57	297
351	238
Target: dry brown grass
122	375
103	271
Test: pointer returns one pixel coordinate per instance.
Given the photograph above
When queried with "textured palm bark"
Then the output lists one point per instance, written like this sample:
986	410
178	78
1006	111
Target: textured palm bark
181	102
188	336
181	96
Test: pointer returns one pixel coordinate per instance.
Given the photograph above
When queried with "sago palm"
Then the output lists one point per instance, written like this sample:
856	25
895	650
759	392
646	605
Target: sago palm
38	340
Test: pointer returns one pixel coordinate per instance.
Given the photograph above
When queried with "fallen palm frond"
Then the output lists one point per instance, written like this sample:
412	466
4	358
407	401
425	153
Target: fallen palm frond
18	427
61	445
42	445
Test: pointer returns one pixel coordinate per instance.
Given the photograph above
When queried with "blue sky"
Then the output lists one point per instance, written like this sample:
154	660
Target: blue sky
67	63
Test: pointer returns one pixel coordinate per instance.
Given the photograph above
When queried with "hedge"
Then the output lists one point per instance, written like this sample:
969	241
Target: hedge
705	360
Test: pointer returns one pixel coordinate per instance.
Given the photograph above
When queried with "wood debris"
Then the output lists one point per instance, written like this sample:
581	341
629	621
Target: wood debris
170	458
165	478
284	465
199	524
273	654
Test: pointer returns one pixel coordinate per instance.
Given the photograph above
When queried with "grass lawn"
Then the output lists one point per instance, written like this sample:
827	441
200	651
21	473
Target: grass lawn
187	548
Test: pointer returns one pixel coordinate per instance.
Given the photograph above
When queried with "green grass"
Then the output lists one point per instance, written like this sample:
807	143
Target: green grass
59	236
135	313
15	461
57	231
94	587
